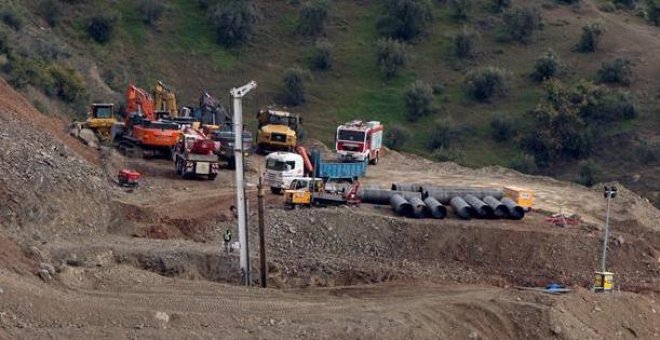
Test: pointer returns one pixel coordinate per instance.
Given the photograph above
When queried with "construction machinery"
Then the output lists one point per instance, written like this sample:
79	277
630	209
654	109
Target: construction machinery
165	101
283	167
218	124
522	197
278	130
99	122
141	132
358	141
314	191
194	155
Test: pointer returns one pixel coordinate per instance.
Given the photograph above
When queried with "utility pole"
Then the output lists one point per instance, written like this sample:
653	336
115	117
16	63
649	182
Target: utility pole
262	235
237	94
609	193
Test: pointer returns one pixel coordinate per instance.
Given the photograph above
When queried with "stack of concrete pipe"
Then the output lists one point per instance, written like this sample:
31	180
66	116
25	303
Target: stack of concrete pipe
423	201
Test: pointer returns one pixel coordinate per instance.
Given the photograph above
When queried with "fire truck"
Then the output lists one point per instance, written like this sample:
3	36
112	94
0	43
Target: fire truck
358	141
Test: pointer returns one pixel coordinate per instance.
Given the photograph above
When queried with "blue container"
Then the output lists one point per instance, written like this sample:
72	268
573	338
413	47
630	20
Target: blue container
337	170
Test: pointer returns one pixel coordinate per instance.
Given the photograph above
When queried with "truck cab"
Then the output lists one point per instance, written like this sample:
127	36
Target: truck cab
277	130
281	169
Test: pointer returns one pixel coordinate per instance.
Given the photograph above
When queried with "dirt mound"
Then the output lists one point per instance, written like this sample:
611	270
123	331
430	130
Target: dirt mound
47	191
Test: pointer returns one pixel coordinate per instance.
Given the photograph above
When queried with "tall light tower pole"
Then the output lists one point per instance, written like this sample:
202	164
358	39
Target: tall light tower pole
237	94
609	193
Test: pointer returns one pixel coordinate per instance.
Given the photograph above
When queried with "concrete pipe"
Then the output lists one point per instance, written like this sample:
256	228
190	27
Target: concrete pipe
499	209
445	194
461	208
482	209
382	196
401	206
437	209
406	187
420	209
516	212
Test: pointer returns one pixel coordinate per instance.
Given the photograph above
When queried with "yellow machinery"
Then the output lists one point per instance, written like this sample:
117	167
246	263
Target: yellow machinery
100	120
523	197
165	100
278	130
300	191
604	281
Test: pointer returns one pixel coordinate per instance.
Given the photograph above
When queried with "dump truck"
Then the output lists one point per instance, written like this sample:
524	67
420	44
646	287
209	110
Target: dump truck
278	130
283	167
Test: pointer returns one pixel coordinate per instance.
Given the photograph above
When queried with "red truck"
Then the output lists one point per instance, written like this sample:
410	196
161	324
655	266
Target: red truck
194	155
359	141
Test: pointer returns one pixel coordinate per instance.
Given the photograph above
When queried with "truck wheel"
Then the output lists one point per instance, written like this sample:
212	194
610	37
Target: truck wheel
231	163
212	177
275	190
375	160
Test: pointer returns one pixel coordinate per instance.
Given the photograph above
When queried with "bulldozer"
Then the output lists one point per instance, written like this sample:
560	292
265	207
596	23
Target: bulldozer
96	128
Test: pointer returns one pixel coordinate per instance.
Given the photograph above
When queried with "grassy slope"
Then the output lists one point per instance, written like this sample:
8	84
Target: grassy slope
181	50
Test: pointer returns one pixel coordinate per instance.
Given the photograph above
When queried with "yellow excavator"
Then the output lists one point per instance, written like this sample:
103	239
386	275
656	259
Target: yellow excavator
165	100
100	119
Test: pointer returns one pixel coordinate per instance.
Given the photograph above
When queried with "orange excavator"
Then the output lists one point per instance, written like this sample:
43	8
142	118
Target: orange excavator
141	132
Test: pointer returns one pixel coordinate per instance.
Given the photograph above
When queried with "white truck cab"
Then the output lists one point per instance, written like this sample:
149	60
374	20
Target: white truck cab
281	169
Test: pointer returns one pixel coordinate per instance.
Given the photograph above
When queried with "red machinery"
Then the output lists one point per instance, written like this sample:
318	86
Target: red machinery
194	154
142	130
128	178
359	141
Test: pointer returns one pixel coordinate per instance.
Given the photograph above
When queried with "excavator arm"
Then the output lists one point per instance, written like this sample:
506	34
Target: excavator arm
165	99
138	100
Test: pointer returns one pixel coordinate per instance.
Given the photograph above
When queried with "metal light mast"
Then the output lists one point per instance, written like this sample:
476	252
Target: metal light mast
238	94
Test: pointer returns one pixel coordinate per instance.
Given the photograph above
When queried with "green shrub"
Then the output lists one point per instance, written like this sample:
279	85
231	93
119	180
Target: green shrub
419	100
504	128
460	9
391	56
396	137
4	43
294	86
444	133
11	19
151	10
521	24
607	7
68	85
22	72
653	11
50	11
547	66
568	2
405	19
322	55
312	17
647	153
589	174
453	154
439	88
233	21
464	42
100	28
524	163
617	71
627	4
485	83
500	5
591	37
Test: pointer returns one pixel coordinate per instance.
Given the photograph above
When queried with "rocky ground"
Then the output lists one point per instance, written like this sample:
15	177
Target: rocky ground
81	258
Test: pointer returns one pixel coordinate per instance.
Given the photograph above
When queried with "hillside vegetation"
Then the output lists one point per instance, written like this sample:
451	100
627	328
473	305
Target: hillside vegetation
564	88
